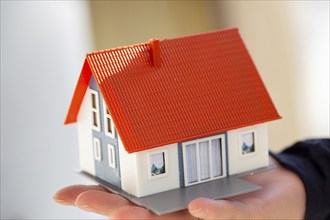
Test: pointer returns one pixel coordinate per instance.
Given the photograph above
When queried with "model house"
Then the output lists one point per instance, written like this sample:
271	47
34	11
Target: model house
171	113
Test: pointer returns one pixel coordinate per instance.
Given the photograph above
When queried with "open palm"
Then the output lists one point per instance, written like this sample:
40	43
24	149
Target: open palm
282	197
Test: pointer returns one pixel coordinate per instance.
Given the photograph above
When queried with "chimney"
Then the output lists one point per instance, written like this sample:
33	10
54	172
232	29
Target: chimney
154	45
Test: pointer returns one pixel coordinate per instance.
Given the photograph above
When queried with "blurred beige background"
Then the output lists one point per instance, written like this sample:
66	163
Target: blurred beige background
43	44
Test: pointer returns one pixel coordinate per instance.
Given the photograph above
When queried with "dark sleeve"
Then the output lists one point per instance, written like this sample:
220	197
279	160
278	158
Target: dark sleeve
310	159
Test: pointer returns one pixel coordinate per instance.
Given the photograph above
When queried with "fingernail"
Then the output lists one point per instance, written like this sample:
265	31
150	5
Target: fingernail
199	213
86	208
62	202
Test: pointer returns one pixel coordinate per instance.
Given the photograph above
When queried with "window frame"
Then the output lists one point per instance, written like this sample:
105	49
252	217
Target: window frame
111	156
106	125
240	143
97	149
149	165
221	137
95	110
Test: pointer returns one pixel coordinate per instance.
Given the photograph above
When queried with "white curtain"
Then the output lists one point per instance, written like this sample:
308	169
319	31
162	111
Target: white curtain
191	156
204	158
158	160
216	157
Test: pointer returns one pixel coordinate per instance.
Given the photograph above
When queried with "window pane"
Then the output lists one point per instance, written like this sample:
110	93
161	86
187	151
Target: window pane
93	101
157	164
216	157
248	143
109	128
95	123
204	158
191	163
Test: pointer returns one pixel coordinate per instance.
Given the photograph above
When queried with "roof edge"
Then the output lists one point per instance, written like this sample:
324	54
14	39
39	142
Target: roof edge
79	93
201	135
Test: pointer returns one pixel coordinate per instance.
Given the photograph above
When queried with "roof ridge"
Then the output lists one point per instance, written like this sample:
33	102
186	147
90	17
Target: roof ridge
117	48
161	40
203	33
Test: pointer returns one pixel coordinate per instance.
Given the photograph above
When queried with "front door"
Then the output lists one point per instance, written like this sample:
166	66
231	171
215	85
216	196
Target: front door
204	159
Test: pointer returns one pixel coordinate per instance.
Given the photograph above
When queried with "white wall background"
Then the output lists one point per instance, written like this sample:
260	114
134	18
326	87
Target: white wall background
42	50
311	23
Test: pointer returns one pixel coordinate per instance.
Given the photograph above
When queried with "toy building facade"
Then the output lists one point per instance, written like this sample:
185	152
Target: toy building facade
172	113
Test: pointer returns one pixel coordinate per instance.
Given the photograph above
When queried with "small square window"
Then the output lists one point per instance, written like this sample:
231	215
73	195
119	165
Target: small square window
247	143
157	164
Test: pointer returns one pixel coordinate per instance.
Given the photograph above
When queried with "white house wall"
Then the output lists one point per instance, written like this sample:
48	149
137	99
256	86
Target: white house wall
135	171
238	163
128	169
135	167
171	180
85	136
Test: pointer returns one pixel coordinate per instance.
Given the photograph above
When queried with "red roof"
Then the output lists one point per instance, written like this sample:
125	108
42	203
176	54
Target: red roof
204	84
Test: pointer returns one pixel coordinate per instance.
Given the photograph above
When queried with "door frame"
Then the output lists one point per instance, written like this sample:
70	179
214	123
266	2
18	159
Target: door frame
223	142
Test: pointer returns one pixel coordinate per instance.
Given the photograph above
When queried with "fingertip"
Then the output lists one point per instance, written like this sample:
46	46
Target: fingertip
196	203
69	194
83	198
197	208
57	198
208	208
65	196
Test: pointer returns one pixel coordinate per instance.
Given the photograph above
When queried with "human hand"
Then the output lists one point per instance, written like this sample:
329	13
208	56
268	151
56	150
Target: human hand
282	197
99	200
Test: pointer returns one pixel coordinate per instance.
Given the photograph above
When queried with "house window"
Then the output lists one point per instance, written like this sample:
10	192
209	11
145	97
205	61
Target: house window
95	110
97	149
203	159
111	156
157	164
108	123
247	142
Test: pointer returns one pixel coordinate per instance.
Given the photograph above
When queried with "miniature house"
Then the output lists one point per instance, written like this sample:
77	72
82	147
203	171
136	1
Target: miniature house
171	113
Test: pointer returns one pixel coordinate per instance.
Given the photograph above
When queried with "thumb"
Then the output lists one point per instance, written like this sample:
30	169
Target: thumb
216	209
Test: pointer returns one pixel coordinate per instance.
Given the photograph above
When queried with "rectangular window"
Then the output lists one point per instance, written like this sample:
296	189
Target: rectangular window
157	164
108	123
97	149
203	159
95	110
247	143
112	156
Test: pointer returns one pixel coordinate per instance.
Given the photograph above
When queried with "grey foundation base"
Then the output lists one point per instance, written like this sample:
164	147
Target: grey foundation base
178	199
